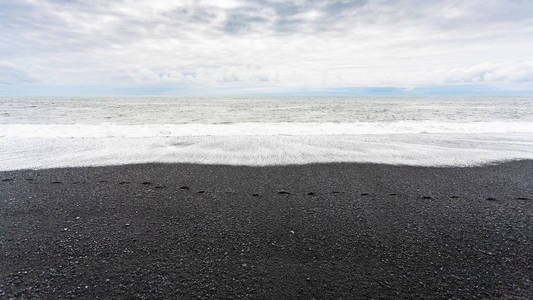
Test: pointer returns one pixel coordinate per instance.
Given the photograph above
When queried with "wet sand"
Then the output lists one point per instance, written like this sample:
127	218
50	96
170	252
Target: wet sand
321	230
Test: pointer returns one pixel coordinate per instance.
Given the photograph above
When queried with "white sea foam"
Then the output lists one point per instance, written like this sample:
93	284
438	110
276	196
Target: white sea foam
43	133
255	129
410	149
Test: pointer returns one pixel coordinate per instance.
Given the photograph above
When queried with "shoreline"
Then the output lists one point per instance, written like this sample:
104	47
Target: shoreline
416	149
288	165
324	230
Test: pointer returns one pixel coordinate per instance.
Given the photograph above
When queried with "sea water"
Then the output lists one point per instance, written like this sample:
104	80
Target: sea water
46	132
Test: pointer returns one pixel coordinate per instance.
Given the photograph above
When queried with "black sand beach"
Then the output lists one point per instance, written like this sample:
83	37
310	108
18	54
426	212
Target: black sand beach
322	231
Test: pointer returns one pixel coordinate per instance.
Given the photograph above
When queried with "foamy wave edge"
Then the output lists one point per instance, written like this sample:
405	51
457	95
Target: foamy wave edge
448	149
254	129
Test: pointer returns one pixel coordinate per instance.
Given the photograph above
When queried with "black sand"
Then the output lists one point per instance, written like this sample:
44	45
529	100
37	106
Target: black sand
323	231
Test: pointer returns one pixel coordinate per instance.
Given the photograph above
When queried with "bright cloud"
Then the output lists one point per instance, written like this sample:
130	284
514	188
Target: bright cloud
266	44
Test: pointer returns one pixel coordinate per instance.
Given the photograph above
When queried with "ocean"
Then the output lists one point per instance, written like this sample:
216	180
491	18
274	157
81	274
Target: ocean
50	132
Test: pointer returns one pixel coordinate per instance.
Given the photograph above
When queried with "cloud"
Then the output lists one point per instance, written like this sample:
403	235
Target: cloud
9	75
290	44
490	72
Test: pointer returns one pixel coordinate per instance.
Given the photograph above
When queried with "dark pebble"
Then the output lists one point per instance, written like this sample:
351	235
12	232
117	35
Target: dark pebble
184	187
284	193
146	183
310	194
490	199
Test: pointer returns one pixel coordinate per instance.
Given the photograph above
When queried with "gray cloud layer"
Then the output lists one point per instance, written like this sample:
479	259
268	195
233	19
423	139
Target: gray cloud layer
266	44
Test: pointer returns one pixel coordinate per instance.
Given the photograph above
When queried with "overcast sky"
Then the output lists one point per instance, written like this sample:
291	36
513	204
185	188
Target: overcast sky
265	46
